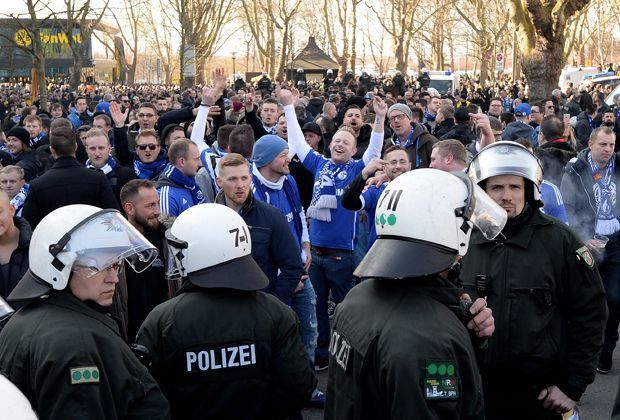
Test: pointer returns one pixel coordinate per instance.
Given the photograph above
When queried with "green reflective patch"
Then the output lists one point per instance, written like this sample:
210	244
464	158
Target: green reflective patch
436	368
84	375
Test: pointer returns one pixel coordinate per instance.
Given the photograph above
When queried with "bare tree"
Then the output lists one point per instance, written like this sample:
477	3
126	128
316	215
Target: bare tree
162	41
28	39
489	21
131	18
340	26
542	27
199	24
402	25
82	18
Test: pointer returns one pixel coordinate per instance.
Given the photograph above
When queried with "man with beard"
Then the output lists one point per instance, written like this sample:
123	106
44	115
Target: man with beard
273	244
413	137
542	283
395	162
609	120
149	288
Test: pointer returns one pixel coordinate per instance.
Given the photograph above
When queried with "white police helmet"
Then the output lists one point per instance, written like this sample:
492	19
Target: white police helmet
15	405
330	71
300	70
220	256
80	235
423	222
506	158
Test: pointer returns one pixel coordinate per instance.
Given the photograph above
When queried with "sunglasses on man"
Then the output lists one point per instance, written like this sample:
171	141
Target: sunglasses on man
145	146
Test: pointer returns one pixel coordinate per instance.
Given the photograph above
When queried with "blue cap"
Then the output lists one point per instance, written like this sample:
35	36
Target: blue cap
103	107
267	148
523	110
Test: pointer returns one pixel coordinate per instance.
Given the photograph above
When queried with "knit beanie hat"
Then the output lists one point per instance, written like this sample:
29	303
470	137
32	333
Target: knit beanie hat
21	133
402	108
267	148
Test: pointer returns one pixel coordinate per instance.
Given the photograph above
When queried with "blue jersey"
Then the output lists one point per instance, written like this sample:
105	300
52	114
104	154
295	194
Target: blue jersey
340	233
279	199
553	203
370	198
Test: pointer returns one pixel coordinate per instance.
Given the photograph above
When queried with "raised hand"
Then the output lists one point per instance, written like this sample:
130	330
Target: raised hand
119	117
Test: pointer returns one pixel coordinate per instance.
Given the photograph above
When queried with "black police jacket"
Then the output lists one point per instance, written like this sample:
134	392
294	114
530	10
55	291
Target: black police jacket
227	354
548	303
410	357
71	363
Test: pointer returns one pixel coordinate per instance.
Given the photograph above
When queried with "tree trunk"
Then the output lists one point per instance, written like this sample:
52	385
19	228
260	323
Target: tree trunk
131	71
39	62
542	67
76	70
399	54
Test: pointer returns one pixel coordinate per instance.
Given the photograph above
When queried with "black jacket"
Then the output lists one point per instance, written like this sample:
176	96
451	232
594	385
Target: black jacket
548	303
67	182
18	264
30	163
583	129
119	178
388	364
266	374
553	157
578	195
461	132
443	127
274	247
71	363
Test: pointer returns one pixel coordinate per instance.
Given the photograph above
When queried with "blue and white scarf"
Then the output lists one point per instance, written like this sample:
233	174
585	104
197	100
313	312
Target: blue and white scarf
18	201
149	170
109	169
324	196
35	141
430	117
604	190
189	183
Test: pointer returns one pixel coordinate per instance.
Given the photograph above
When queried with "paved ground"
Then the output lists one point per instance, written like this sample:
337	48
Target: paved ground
596	403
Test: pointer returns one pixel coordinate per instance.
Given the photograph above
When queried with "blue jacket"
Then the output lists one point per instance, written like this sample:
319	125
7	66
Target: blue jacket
273	246
173	199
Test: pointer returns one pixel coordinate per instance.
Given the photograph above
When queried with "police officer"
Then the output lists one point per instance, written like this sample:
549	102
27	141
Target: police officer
222	349
544	289
62	349
412	357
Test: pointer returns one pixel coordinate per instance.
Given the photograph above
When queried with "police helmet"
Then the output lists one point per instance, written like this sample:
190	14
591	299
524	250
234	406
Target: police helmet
300	70
80	235
330	71
507	158
424	220
220	256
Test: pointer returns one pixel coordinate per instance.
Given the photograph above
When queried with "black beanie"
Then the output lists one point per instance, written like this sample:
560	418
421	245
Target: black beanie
21	133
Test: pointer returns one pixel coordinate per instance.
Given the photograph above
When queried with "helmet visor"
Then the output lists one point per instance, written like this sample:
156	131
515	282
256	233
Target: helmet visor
175	247
488	216
104	240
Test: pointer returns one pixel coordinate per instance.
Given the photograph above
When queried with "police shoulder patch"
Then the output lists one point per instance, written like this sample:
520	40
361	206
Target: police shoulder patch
440	380
585	256
84	375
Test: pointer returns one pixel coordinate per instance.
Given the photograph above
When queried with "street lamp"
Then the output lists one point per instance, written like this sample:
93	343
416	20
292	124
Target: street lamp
234	57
